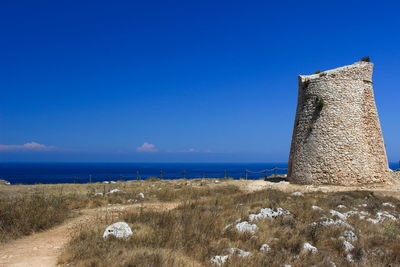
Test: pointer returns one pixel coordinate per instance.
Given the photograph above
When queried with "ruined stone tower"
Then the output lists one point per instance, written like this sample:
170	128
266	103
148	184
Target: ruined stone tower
337	138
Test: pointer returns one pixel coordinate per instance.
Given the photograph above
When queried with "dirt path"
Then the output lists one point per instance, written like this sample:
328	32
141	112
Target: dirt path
392	189
42	249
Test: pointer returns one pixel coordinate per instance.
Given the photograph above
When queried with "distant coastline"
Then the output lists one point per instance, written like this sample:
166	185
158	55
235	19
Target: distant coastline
52	173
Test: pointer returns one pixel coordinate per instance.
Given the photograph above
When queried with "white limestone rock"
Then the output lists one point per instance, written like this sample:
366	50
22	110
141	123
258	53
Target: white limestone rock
141	195
349	258
4	182
219	259
119	230
112	191
316	208
350	235
381	216
331	222
268	213
347	246
239	252
265	248
297	194
309	248
388	204
338	214
246	227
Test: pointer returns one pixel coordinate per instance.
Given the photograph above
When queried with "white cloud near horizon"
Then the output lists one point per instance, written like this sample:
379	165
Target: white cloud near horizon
31	146
147	147
190	150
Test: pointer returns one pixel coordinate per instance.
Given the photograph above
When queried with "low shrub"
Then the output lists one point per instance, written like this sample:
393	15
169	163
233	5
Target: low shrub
366	59
23	215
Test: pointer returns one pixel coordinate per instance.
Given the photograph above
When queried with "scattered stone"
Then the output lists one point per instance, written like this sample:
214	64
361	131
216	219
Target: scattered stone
350	235
119	230
331	222
219	259
4	182
361	214
246	227
381	216
238	252
141	195
265	248
310	248
338	214
105	182
347	246
349	258
132	200
297	194
388	204
341	206
98	194
113	191
316	208
113	182
268	213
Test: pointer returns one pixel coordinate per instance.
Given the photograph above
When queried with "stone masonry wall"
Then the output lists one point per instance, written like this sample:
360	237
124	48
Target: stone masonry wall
337	138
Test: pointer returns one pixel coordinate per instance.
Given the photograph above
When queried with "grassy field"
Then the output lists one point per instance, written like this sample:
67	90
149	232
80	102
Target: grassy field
199	230
25	209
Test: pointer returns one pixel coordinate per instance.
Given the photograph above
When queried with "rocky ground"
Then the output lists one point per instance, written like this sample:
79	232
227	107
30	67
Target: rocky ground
254	209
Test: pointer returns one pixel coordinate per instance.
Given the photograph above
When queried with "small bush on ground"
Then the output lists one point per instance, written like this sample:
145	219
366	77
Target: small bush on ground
366	59
23	215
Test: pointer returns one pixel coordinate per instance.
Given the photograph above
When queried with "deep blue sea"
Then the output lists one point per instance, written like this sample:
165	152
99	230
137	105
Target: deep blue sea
45	173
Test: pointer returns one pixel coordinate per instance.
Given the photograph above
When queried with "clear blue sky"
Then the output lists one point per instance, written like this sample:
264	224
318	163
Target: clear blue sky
179	80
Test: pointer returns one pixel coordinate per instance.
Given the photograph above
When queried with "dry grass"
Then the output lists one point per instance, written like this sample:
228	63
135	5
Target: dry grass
192	233
27	209
24	215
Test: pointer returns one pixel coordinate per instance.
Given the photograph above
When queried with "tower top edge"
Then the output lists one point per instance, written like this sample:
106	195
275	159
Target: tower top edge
351	67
